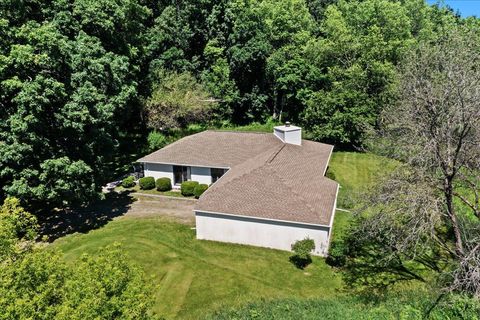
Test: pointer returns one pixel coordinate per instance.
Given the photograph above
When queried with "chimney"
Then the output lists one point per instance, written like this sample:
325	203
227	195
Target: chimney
288	133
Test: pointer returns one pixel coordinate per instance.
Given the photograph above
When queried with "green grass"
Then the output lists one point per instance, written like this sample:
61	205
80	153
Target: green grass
194	277
356	172
341	223
252	127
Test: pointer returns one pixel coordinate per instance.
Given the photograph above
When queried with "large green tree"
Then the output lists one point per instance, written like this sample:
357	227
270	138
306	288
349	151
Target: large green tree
427	215
37	283
362	43
68	86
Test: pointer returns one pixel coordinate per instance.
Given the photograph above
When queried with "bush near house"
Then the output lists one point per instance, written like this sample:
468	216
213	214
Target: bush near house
128	182
336	254
163	184
199	190
187	188
147	183
302	249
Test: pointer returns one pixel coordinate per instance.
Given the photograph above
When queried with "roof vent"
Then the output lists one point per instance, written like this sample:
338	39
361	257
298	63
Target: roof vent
288	133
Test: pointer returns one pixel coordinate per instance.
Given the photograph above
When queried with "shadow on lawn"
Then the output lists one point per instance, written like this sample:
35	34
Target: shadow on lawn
299	262
86	218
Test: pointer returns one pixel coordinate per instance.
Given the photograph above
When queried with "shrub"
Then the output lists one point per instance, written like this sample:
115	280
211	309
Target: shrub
199	190
147	183
163	184
188	187
336	255
128	182
302	249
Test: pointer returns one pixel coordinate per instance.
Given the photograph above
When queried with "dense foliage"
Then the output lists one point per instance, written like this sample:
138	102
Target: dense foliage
187	188
36	283
81	82
146	183
199	190
163	184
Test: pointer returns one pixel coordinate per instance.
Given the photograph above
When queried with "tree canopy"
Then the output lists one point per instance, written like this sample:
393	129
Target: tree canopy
36	283
79	80
427	215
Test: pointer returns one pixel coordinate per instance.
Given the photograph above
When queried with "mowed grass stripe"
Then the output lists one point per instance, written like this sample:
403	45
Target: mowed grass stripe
196	277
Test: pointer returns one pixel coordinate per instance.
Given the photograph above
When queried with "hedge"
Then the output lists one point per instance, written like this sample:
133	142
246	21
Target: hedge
163	184
147	183
128	182
187	188
199	190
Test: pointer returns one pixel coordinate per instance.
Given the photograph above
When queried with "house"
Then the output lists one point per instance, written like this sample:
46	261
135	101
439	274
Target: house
267	190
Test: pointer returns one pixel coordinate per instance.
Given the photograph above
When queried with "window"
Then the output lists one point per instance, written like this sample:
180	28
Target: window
217	173
181	174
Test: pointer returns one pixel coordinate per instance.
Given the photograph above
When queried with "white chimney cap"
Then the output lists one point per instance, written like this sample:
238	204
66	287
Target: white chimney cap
288	133
288	128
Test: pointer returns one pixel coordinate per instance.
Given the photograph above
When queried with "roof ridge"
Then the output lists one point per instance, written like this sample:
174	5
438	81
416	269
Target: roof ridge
303	200
274	155
245	173
238	131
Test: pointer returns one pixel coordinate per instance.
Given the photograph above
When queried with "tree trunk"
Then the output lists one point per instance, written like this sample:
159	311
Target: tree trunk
448	191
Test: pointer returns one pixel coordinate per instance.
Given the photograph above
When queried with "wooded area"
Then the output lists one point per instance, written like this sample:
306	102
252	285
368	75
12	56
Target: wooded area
80	79
84	84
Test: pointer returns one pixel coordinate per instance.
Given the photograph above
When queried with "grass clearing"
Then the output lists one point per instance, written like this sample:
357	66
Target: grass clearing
356	172
341	223
194	277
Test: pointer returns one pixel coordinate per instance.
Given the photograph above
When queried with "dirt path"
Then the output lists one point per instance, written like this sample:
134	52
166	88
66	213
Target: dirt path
151	206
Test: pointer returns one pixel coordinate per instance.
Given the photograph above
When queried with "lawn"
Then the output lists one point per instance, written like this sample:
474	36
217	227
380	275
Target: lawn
356	172
194	277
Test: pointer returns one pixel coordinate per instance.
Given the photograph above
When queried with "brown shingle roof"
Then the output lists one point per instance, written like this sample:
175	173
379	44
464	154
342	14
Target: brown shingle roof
286	183
214	149
268	179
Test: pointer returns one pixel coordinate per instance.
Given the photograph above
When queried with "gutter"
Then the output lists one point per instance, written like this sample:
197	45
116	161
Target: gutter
332	218
185	165
267	219
328	161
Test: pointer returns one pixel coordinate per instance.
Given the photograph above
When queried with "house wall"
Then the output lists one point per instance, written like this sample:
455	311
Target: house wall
258	232
202	175
159	170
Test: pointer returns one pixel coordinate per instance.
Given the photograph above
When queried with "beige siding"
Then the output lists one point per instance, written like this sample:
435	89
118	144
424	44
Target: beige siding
258	232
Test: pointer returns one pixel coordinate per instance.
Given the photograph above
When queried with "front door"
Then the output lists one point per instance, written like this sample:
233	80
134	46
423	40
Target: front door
181	174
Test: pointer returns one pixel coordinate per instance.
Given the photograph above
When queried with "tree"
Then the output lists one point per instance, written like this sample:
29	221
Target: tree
302	250
178	101
355	75
37	283
428	214
69	78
